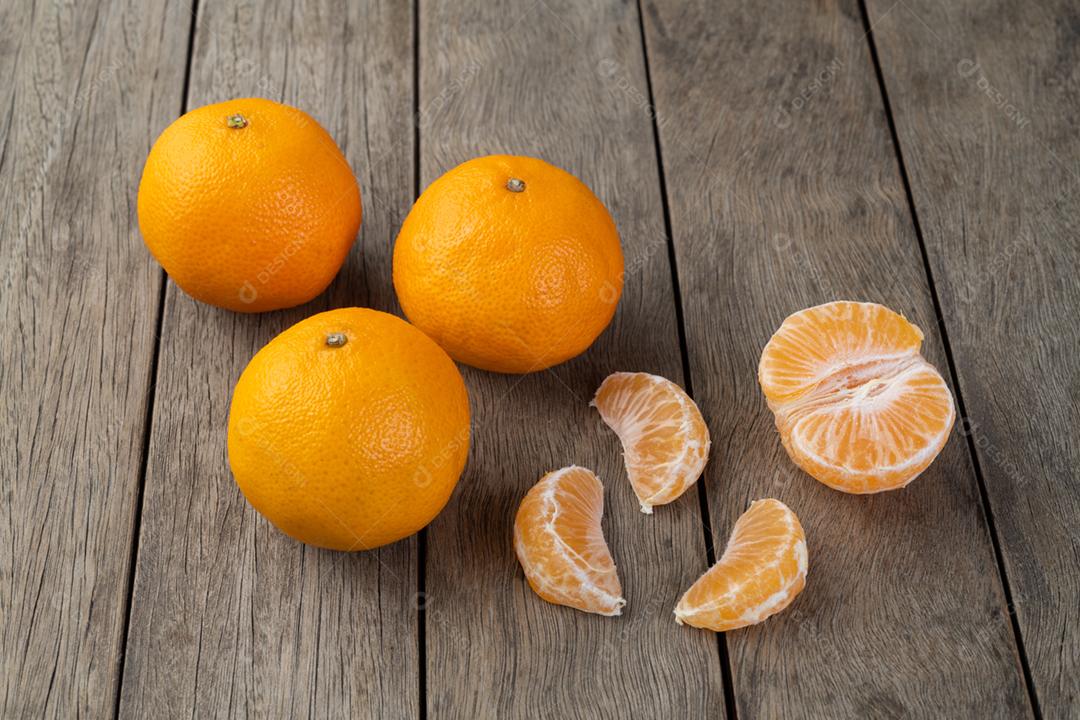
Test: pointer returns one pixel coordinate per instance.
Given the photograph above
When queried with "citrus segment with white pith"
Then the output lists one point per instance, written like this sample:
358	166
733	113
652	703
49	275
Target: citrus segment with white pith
664	438
761	571
560	545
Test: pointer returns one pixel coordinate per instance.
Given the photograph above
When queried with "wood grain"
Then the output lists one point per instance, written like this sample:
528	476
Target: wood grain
785	192
84	88
985	99
229	616
563	81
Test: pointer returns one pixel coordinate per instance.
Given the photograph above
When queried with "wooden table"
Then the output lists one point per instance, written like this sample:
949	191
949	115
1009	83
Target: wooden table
758	157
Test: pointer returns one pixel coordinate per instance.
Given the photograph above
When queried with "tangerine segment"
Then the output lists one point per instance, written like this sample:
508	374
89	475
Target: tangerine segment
761	571
664	438
559	543
814	345
856	404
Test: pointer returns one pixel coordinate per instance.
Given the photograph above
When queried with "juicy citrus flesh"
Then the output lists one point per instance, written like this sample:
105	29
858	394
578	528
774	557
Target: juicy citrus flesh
349	430
249	205
761	571
509	280
665	440
560	545
856	404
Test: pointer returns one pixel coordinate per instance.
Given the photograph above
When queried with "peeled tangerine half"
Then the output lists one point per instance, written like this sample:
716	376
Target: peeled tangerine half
856	404
761	571
560	546
664	438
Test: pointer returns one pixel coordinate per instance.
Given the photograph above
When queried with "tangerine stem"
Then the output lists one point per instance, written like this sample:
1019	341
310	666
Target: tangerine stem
236	121
515	185
336	339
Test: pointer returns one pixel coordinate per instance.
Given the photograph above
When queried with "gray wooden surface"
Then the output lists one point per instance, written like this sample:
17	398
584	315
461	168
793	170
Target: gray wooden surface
84	91
991	156
785	210
757	157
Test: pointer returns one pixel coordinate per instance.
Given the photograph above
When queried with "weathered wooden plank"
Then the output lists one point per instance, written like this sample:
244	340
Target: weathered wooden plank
985	102
563	81
229	616
84	87
785	193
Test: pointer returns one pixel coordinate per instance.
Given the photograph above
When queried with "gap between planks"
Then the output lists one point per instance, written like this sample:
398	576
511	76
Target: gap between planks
988	511
730	706
136	528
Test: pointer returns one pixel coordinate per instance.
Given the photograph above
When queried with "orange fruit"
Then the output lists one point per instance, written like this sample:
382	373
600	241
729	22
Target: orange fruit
761	571
560	546
664	438
509	263
349	430
856	404
248	205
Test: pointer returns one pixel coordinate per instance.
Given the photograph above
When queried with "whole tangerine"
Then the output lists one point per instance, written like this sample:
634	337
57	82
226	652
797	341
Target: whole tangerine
349	430
249	205
509	263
